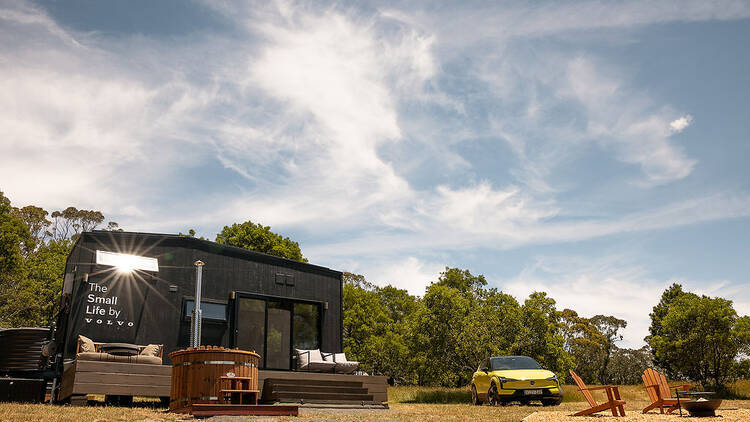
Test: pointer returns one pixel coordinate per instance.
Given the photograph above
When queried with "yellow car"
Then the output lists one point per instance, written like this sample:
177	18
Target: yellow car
514	378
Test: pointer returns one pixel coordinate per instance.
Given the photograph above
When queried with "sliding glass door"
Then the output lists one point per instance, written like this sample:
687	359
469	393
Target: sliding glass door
251	326
275	327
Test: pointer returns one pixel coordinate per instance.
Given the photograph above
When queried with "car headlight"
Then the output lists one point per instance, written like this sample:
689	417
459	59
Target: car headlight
554	378
502	379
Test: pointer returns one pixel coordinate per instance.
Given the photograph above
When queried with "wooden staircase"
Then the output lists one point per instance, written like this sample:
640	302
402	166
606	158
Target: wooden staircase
317	392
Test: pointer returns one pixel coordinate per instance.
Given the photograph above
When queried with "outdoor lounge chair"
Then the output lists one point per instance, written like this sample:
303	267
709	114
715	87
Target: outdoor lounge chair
613	403
660	392
312	360
343	366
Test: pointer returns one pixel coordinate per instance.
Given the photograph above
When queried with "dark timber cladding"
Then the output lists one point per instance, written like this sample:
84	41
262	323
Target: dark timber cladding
249	300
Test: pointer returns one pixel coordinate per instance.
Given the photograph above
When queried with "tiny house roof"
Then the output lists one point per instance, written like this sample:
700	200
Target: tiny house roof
135	239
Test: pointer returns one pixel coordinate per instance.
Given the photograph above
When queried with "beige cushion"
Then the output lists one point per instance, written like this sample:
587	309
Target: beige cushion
106	357
346	367
151	360
150	350
87	345
335	357
306	356
92	356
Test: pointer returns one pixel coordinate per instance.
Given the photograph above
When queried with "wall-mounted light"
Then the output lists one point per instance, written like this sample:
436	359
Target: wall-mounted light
126	263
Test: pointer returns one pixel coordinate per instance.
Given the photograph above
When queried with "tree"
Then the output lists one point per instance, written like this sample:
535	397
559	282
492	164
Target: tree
257	237
670	295
627	365
15	238
71	222
35	219
541	334
462	280
37	297
584	343
700	338
491	328
608	326
437	335
376	326
33	251
462	323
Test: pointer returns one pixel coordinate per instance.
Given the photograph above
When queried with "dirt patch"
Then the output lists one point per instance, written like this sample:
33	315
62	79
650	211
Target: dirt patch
728	415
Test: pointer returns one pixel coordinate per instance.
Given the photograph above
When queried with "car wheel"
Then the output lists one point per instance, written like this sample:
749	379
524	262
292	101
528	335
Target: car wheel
474	396
551	402
492	396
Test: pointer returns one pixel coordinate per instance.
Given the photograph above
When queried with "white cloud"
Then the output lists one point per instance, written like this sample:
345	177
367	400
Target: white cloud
628	122
410	273
611	285
678	125
325	113
592	287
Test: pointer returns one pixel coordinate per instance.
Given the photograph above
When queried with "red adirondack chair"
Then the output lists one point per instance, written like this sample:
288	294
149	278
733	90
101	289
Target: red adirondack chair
613	403
659	391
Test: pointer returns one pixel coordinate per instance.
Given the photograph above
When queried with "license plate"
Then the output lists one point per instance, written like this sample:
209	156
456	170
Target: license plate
532	392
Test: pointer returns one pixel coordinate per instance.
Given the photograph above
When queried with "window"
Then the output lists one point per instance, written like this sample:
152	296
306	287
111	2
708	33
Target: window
213	326
274	327
306	326
209	310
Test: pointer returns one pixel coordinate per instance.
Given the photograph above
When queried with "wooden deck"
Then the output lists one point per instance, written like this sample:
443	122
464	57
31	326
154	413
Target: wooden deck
114	378
362	389
129	379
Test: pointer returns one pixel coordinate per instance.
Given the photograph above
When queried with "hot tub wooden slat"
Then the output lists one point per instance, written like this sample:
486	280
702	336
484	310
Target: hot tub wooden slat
196	373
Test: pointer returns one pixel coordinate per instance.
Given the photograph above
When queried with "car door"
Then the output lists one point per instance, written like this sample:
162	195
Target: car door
482	378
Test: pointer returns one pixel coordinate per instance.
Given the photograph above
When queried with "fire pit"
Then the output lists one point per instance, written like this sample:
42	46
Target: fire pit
701	407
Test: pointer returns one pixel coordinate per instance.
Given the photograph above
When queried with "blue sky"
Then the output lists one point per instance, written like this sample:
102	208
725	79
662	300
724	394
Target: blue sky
593	150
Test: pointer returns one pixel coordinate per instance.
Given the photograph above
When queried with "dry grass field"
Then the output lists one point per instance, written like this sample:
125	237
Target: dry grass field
406	404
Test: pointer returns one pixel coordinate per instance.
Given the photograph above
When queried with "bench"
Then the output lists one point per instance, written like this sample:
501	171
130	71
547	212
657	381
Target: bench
119	378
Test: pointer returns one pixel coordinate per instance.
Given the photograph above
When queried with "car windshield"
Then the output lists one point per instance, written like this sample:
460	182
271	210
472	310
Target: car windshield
513	362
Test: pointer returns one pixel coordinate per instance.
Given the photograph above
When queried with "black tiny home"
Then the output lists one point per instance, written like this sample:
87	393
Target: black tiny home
250	300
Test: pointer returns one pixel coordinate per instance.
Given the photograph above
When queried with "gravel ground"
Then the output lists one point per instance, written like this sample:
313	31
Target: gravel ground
729	415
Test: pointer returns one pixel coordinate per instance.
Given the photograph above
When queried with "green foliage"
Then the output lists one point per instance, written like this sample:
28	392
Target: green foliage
14	239
541	334
437	337
626	365
257	237
609	327
585	344
36	299
377	327
698	337
190	233
71	222
33	250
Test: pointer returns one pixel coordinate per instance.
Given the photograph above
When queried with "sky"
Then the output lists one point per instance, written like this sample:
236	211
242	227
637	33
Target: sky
593	150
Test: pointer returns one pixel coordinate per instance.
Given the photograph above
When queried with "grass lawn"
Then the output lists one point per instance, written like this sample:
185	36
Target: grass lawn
406	404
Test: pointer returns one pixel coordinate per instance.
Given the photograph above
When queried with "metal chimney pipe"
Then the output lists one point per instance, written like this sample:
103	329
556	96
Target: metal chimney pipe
197	316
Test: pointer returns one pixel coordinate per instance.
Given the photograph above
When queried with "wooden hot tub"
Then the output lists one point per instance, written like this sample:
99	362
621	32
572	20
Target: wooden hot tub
208	374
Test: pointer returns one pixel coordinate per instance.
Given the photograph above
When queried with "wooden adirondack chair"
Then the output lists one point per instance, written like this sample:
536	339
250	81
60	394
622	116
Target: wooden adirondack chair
613	403
659	391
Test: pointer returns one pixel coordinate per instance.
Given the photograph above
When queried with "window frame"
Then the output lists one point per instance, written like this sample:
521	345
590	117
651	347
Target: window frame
269	298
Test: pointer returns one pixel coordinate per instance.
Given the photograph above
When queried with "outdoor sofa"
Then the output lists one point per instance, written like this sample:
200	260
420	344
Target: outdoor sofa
89	350
116	375
315	360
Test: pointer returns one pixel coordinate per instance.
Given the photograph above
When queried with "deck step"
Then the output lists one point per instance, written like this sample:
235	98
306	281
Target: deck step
320	391
286	395
329	402
314	382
